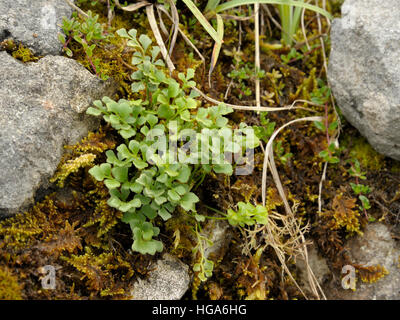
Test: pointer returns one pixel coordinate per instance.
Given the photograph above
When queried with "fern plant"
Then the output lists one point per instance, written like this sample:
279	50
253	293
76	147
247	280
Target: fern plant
145	179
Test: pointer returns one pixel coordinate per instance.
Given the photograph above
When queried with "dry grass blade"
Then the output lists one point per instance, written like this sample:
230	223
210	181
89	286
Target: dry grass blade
175	20
217	46
187	40
321	182
276	23
157	35
162	25
79	10
303	30
268	150
132	7
110	14
203	21
297	232
255	108
154	26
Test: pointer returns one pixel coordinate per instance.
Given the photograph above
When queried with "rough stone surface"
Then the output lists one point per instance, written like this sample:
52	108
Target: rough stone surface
42	108
34	23
375	247
168	281
318	266
364	70
219	234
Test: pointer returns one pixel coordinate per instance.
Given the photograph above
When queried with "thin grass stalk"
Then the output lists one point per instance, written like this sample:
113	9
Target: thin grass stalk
203	21
297	3
296	19
211	5
175	18
285	14
157	35
257	53
79	10
268	149
255	108
185	38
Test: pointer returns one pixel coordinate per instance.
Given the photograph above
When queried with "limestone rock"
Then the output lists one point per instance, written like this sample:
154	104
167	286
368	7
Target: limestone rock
34	23
42	108
364	71
375	247
168	281
318	265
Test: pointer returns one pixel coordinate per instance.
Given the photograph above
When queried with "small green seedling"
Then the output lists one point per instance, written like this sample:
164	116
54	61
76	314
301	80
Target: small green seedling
87	34
292	56
265	131
247	215
244	77
360	189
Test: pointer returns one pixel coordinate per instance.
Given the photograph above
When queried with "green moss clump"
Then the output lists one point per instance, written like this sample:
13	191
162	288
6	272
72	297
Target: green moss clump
366	155
24	54
18	51
10	289
72	228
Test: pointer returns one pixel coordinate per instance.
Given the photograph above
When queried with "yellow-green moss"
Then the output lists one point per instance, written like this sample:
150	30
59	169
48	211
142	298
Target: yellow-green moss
371	274
58	229
366	155
344	214
10	289
19	51
24	54
395	167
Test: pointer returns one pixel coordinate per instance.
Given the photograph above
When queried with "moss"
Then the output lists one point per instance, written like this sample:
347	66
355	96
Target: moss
73	166
371	274
10	289
97	270
19	51
24	54
344	214
24	228
72	228
82	155
395	167
366	155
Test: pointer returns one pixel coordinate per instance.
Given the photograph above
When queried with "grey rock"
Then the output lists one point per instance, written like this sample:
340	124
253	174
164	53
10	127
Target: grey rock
318	265
34	23
42	108
375	247
168	281
218	232
364	70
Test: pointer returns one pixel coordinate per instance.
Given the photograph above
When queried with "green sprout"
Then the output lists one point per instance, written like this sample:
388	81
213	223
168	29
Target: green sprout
87	34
